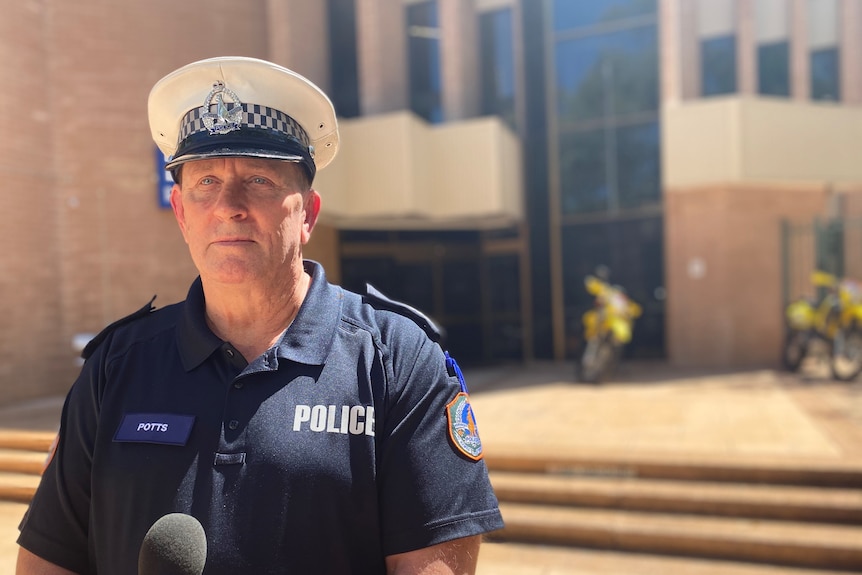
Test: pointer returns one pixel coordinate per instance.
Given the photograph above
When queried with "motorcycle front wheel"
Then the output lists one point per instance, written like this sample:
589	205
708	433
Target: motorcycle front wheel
795	349
847	355
597	360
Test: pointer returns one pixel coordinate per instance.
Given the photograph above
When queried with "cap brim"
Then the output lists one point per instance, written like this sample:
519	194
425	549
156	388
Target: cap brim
234	153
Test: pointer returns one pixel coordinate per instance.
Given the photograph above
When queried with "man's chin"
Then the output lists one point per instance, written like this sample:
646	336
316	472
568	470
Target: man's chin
235	274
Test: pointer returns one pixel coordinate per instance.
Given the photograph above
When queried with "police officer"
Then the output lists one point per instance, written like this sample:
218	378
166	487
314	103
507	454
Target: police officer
307	428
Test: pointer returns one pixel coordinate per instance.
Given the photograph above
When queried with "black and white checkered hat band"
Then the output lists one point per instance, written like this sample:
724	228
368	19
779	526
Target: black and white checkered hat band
254	116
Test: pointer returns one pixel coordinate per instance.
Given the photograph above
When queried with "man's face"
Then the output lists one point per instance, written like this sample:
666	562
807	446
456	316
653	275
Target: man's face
244	219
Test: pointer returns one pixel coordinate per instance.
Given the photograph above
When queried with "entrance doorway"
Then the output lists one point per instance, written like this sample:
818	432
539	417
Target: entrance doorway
632	249
473	283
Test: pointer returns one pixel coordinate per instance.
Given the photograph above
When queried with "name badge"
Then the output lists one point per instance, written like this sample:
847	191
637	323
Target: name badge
163	428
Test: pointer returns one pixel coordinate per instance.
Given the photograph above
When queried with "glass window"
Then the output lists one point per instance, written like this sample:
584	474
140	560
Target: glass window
583	171
423	45
773	69
607	75
578	13
823	40
598	174
497	64
718	65
825	74
638	165
342	57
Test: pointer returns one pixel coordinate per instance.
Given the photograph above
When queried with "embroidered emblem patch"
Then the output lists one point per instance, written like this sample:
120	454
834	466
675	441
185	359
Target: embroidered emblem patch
462	427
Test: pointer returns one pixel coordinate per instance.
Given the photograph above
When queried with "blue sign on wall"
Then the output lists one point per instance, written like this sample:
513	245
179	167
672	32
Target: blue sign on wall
165	180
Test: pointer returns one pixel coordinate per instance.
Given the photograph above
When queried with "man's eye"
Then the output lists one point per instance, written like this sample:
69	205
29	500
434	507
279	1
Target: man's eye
207	181
259	180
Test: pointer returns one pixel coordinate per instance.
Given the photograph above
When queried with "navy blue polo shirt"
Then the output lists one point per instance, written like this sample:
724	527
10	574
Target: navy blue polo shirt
332	450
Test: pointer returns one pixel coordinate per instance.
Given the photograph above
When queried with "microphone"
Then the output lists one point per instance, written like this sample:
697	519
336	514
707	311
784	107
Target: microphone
175	545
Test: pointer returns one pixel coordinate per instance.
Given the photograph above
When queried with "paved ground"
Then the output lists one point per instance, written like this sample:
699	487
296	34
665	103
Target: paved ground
646	409
654	410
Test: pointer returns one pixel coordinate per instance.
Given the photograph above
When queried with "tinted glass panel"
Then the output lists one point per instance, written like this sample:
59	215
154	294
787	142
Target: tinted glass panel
607	75
638	165
342	57
364	236
461	295
465	343
503	276
583	171
356	272
416	285
718	65
507	341
825	83
497	64
773	69
423	44
578	13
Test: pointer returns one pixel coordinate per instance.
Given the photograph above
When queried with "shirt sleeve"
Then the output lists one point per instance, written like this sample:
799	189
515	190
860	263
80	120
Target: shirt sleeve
56	525
430	490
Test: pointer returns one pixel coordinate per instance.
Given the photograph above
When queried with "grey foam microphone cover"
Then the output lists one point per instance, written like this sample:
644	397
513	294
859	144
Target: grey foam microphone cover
175	545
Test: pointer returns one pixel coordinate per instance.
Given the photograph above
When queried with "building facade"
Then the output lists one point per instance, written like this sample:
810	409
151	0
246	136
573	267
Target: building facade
494	152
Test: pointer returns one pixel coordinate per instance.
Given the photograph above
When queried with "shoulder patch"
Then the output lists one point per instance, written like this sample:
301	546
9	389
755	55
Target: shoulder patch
435	332
94	343
463	430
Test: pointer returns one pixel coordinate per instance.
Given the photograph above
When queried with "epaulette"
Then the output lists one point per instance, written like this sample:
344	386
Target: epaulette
91	346
435	332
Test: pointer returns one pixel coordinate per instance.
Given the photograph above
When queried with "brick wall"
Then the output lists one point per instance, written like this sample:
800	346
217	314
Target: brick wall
723	270
30	305
87	242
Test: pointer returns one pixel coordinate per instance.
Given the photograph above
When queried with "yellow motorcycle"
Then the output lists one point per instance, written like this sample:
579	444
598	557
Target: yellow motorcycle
847	344
607	329
835	320
811	321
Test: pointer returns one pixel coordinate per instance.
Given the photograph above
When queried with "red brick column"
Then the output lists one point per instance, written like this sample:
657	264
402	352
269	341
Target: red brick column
851	51
459	56
381	43
297	38
800	62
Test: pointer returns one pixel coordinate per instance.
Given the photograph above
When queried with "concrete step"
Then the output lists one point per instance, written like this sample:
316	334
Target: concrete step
26	440
509	558
14	460
754	470
803	545
18	487
827	505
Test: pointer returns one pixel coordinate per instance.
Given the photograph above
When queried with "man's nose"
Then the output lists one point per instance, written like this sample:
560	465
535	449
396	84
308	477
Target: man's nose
231	203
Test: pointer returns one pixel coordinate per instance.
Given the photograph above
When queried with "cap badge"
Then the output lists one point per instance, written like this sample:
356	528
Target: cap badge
228	116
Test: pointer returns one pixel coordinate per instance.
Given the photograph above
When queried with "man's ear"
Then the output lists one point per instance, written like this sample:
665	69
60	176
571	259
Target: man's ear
179	211
312	210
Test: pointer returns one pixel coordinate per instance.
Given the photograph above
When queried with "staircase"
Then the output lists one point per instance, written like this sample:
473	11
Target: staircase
772	512
22	458
775	512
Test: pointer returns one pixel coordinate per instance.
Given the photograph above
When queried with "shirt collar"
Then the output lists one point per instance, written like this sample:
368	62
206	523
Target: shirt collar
307	340
310	336
195	340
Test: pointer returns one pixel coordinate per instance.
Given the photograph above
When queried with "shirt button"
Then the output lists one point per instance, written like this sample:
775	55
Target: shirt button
233	424
229	352
237	384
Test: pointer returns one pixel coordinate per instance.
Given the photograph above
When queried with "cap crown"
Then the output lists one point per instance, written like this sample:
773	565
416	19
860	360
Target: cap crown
252	82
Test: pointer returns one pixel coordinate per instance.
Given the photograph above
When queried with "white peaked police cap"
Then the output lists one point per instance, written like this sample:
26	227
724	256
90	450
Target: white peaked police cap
234	106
